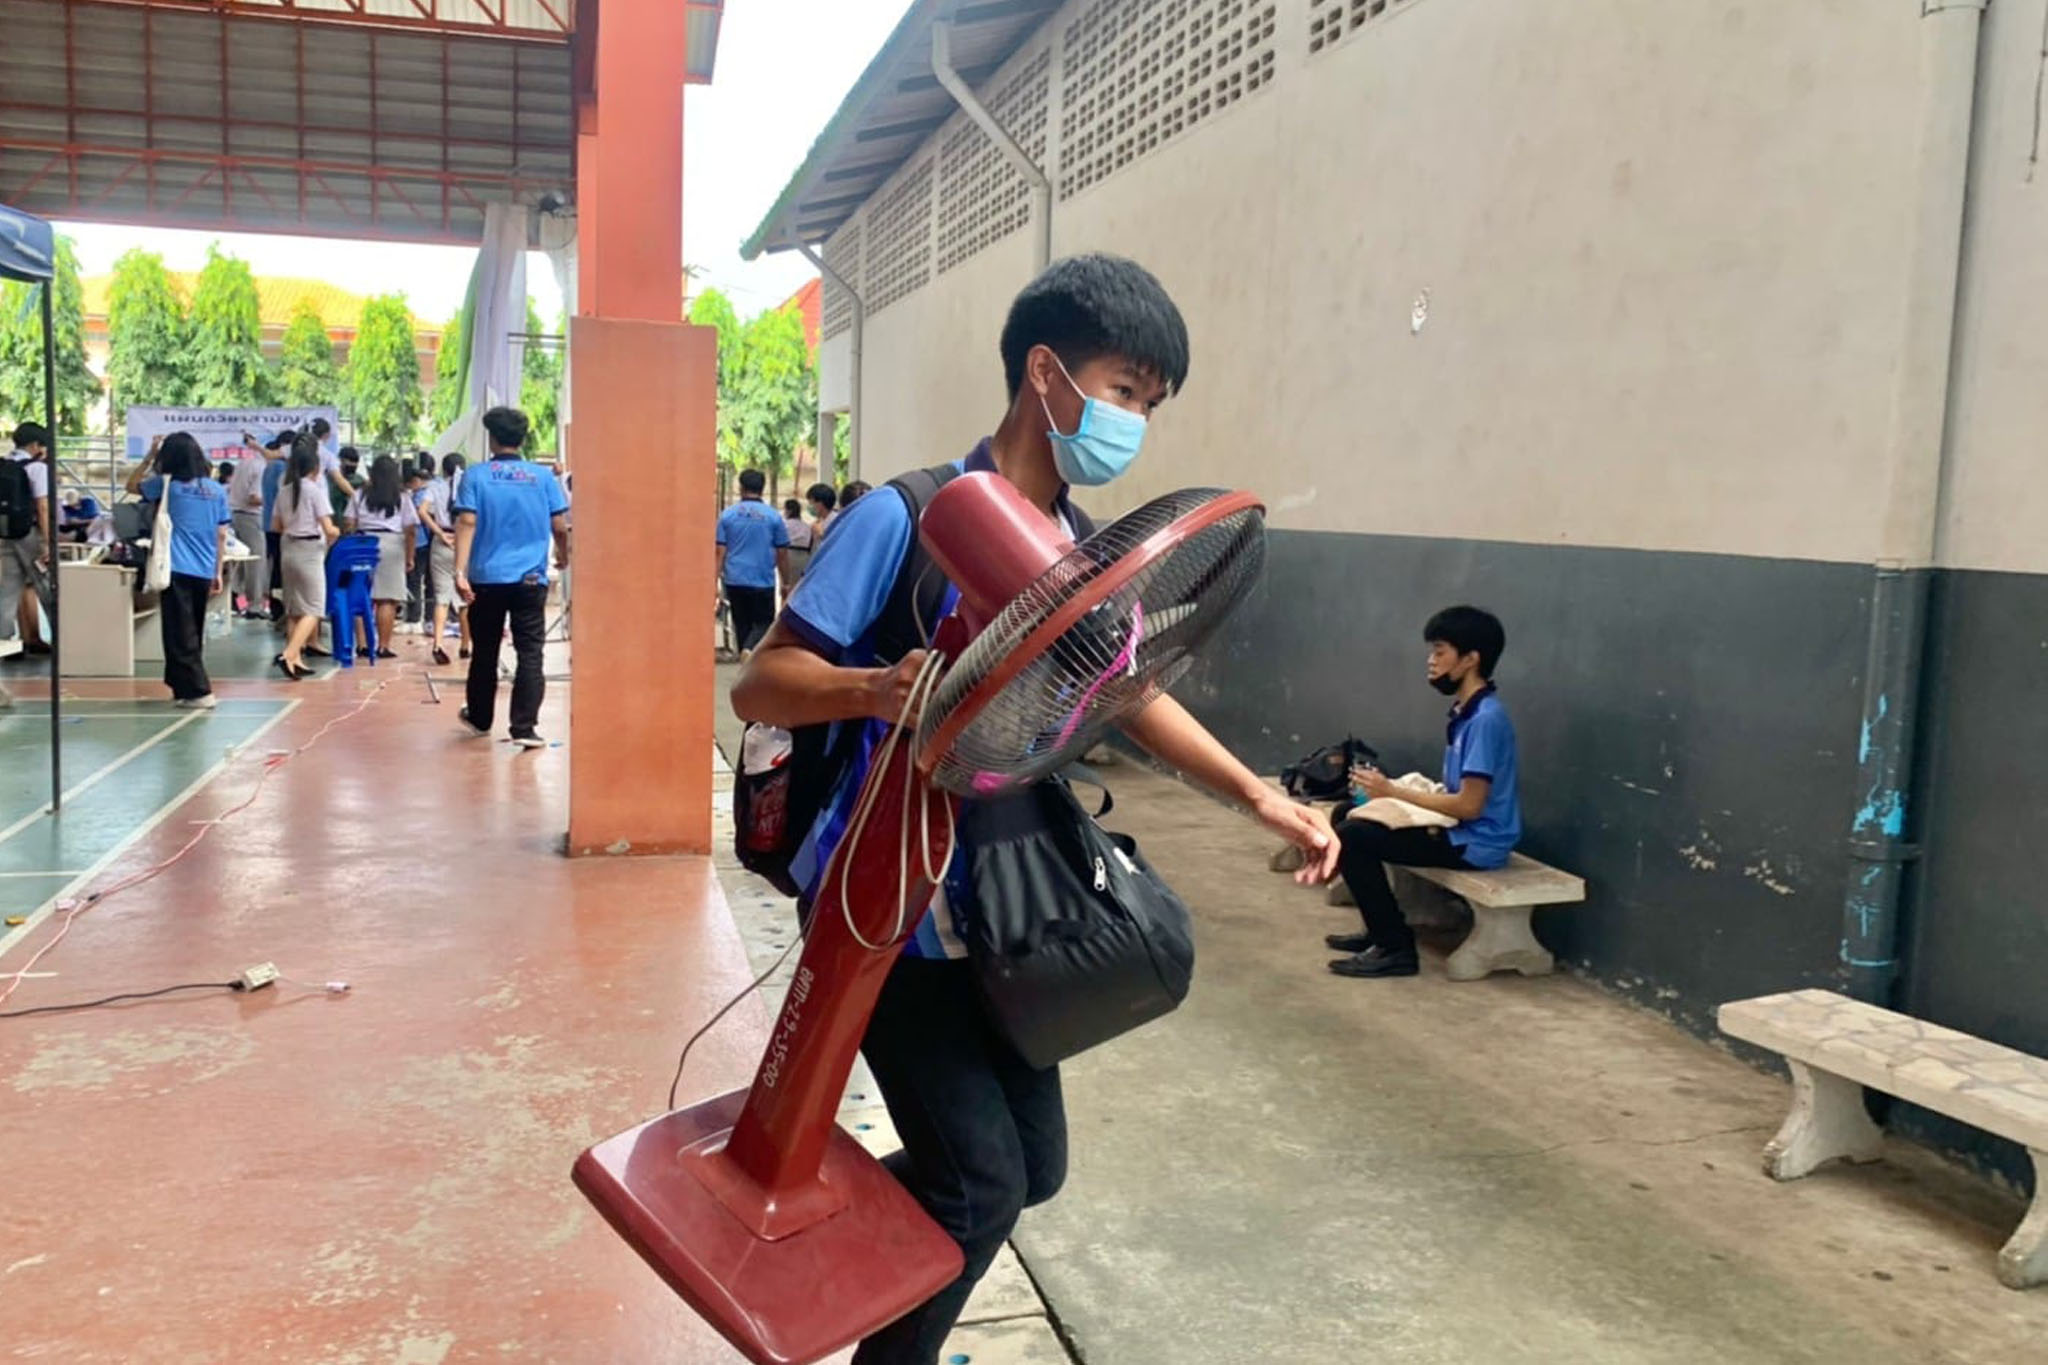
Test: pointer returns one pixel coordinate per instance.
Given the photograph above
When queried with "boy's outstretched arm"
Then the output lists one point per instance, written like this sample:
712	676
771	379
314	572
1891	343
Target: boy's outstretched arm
1171	735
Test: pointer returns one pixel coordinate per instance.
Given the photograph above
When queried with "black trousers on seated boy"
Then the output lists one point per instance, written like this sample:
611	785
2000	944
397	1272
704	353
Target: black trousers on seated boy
984	1133
1368	848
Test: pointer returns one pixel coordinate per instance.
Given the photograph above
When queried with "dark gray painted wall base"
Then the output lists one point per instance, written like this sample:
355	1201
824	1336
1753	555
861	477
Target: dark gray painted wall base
1688	727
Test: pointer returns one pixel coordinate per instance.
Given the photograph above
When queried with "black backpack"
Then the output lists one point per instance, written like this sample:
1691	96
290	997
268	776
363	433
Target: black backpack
17	500
774	809
1325	774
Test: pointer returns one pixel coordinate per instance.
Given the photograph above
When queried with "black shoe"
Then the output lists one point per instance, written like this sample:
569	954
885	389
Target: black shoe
1347	943
529	740
440	656
470	727
316	652
284	667
1378	962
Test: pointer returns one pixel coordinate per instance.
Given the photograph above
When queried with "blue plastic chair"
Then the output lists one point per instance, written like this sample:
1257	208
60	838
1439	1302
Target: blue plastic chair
351	570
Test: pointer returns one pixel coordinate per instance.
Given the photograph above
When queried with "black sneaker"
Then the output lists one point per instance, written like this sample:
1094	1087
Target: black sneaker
529	740
1347	943
470	727
1378	962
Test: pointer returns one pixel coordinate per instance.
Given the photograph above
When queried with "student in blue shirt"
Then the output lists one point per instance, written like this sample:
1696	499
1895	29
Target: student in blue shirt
506	514
277	454
753	552
1481	794
197	505
1090	350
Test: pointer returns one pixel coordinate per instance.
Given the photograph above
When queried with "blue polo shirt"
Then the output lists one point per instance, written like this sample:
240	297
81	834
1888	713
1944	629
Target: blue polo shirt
197	508
1480	742
514	502
273	480
834	609
751	532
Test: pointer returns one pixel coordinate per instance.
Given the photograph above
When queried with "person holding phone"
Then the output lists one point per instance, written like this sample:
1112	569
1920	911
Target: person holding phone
1480	793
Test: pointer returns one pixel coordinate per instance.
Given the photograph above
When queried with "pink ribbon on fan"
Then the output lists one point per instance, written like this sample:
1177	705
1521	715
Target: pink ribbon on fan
991	782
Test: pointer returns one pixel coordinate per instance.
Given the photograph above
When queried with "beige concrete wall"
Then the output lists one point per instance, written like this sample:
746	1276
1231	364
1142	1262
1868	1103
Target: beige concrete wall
1995	501
1663	246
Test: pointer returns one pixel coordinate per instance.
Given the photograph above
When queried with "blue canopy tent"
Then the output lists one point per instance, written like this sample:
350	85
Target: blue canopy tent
28	252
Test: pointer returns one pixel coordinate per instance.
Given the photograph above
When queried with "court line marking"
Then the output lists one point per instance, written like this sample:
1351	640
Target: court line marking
44	911
101	774
55	872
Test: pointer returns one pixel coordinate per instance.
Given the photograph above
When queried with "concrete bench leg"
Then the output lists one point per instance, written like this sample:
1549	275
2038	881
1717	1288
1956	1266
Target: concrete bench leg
1501	940
1827	1123
2023	1264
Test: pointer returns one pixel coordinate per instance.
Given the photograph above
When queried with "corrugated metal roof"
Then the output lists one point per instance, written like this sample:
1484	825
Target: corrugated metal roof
188	118
889	113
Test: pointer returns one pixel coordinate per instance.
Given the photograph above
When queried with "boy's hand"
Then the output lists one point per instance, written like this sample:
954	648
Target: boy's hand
1373	782
1307	828
891	688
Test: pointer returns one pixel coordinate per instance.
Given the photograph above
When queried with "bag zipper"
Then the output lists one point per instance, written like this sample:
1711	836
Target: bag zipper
1101	875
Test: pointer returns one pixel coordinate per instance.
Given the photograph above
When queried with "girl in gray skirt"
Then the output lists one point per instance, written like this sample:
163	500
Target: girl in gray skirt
305	527
380	508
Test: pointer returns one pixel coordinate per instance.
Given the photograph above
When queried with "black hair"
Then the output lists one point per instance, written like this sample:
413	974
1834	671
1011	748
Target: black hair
382	492
451	463
792	508
1087	307
1469	631
349	455
852	493
282	441
31	434
822	494
320	428
305	464
180	459
224	471
508	427
752	481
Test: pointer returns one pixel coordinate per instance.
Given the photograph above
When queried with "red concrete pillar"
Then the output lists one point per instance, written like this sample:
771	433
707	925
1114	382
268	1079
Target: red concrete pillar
644	391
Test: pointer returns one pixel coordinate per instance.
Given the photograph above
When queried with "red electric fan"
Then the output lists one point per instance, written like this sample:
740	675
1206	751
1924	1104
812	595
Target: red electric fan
775	1225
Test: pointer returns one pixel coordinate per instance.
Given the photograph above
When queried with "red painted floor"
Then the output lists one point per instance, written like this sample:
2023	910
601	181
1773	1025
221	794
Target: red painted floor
381	1176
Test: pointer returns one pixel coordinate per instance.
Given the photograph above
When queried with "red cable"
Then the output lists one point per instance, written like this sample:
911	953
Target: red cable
271	764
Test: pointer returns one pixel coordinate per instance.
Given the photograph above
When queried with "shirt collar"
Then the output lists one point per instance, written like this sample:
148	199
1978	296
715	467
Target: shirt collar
1462	712
982	460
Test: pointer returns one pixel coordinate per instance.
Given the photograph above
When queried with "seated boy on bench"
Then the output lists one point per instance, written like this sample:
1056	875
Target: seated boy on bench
1479	780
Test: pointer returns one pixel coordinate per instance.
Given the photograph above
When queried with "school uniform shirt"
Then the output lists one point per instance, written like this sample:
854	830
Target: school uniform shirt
245	489
420	535
198	508
303	521
515	503
834	609
799	532
1480	742
751	532
404	519
273	480
437	504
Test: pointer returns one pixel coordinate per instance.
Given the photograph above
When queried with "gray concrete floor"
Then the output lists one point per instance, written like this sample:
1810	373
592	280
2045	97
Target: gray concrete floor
1296	1167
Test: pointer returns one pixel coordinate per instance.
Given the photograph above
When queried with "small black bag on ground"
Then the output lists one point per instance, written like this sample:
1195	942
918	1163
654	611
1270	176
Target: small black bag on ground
1072	936
1325	774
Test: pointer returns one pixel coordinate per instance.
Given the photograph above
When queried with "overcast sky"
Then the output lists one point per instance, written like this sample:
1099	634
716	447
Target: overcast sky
783	67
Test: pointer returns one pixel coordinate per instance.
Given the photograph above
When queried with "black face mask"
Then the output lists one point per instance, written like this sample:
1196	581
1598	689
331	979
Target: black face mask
1445	684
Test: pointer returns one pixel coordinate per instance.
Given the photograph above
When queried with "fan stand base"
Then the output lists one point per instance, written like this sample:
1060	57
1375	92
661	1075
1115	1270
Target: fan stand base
783	1301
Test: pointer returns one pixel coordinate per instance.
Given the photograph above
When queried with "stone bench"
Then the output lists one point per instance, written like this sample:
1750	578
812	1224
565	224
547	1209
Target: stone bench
1835	1046
1501	900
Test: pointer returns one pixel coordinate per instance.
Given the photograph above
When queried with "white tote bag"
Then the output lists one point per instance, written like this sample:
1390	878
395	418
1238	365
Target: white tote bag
157	573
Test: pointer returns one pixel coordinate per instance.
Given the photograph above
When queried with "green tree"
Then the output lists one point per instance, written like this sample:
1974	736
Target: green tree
306	372
775	395
384	373
842	449
447	400
540	385
225	357
146	335
713	309
21	349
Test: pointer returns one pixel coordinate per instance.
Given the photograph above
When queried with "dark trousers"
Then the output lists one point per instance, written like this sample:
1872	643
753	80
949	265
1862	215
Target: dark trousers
525	605
181	609
273	544
984	1134
418	584
1367	849
753	611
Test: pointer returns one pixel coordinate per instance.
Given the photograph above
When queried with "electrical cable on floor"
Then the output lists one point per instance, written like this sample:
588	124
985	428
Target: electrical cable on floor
271	763
127	995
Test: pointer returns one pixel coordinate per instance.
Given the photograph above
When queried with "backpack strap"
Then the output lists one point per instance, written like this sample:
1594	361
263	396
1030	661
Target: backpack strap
919	593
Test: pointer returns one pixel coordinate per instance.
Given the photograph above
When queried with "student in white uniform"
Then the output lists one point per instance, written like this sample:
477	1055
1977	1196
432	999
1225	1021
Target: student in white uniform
305	528
25	558
437	513
381	508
